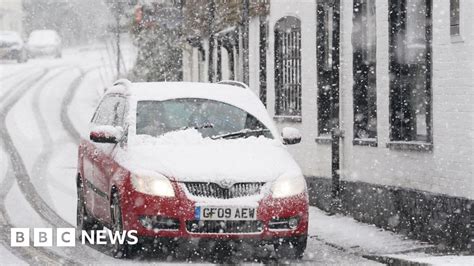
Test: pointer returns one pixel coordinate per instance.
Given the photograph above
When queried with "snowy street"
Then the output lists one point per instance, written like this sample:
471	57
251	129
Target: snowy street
308	132
45	104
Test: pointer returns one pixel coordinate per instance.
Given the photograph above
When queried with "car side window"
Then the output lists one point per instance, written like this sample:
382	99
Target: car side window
110	112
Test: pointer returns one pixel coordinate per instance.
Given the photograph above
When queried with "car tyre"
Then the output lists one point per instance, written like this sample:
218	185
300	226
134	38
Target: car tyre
120	250
84	220
291	249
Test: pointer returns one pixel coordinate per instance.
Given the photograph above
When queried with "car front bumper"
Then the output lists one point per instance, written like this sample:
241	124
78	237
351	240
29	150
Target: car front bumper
49	50
180	214
9	53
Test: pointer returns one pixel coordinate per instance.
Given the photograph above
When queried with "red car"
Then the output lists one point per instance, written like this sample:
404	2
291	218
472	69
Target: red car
181	161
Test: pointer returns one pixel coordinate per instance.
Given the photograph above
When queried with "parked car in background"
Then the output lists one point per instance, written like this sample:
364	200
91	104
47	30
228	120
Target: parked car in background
178	161
12	47
44	42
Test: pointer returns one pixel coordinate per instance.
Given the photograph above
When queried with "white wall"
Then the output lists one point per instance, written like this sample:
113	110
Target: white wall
191	67
254	60
311	157
188	62
195	64
448	169
11	15
225	67
206	65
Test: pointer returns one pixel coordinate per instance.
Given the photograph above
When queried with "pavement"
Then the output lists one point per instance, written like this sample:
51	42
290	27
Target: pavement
373	243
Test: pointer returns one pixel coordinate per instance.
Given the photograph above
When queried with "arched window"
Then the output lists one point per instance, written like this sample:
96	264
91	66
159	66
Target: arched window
288	67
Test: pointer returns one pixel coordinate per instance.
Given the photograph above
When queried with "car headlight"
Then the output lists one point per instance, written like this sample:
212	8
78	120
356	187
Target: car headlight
153	184
288	185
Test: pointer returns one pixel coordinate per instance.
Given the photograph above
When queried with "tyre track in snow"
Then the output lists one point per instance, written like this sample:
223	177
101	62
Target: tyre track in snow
39	170
65	120
20	170
15	74
43	160
46	212
74	133
32	255
6	94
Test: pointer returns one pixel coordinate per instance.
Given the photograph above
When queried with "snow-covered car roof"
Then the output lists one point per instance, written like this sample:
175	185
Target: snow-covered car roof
172	90
237	96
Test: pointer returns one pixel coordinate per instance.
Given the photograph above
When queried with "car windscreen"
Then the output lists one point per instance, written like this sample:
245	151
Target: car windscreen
41	37
211	118
9	37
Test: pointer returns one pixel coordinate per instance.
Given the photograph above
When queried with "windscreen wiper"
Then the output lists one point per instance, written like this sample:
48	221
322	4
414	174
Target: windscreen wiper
205	125
241	133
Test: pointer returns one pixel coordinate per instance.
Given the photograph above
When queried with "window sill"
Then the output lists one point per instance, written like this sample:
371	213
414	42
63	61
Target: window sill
323	140
283	118
365	142
410	146
456	38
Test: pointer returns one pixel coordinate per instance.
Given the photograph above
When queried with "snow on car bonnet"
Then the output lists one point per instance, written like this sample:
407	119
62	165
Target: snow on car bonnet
186	156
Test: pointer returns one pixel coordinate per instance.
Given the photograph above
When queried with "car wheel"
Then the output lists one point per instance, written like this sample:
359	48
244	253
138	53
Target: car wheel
121	250
291	248
84	221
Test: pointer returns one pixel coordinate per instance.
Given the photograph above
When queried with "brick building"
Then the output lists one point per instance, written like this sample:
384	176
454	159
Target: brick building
394	79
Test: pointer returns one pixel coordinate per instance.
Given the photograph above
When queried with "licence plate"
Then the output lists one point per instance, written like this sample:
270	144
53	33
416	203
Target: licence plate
225	213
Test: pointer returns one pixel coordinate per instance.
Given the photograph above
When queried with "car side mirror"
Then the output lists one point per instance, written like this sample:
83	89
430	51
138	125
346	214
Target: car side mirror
291	136
106	134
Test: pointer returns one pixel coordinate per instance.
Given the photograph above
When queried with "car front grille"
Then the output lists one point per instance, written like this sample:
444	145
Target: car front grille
213	190
224	227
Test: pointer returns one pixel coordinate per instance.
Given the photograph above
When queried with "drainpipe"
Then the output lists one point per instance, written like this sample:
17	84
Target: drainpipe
245	40
336	132
210	20
336	203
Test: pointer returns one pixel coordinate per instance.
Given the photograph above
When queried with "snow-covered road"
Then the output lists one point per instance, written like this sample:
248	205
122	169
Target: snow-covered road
45	106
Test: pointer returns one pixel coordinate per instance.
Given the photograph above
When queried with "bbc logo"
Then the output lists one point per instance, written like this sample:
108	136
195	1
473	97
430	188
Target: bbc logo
43	237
